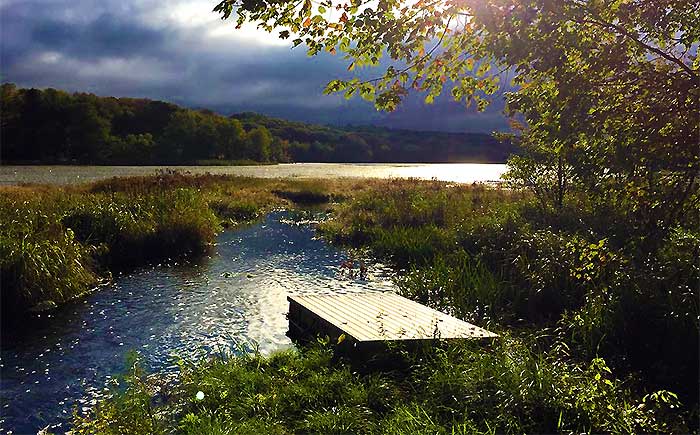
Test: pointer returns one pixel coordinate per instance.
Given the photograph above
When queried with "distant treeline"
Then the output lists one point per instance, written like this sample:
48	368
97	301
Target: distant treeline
54	126
318	143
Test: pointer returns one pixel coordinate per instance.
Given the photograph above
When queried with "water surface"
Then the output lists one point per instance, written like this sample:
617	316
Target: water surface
238	293
455	172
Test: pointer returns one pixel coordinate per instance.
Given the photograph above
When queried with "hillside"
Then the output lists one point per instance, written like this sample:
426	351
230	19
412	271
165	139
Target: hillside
308	142
57	127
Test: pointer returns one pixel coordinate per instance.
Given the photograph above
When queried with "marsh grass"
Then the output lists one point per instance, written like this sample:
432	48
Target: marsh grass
461	286
306	196
39	259
132	229
56	243
505	388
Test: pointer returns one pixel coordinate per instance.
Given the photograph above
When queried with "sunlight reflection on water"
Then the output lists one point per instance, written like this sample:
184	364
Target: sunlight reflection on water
238	293
455	172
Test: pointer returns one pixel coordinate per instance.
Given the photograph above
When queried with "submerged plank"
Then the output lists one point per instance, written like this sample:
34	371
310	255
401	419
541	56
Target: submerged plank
376	317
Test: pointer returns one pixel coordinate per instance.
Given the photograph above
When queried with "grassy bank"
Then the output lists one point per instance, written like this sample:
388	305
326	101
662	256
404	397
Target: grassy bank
57	243
597	334
448	390
577	275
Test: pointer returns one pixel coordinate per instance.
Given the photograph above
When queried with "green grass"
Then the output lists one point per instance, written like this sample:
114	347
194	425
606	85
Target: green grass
461	286
40	260
503	388
492	257
135	229
57	245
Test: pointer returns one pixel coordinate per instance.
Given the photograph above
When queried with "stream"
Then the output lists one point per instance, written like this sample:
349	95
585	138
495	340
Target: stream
236	294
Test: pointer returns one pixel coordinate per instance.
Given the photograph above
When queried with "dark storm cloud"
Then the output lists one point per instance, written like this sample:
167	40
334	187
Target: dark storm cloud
172	51
107	35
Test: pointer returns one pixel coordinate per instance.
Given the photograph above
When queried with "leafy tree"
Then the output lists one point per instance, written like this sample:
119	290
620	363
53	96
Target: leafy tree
143	116
621	77
86	132
54	126
10	130
231	138
132	149
279	150
190	136
259	142
57	127
179	137
545	162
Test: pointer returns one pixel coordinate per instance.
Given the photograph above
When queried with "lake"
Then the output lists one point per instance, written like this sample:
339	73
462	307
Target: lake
237	294
455	172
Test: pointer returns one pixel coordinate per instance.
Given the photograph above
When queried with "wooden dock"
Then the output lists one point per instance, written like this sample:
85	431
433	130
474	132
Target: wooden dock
375	317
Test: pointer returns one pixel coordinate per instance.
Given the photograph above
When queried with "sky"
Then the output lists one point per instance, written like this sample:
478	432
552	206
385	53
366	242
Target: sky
180	51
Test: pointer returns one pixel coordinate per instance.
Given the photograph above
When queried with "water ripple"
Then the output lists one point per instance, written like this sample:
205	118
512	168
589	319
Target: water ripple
237	294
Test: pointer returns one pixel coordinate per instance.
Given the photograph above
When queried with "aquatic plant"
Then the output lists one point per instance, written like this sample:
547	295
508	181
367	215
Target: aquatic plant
133	229
57	242
581	301
459	285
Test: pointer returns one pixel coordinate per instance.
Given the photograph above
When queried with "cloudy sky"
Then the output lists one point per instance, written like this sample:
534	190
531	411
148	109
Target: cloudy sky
180	51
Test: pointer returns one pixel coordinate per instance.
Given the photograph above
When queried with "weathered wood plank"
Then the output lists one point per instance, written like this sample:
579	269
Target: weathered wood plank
376	317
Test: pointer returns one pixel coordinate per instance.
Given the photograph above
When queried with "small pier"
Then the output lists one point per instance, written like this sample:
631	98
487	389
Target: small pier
375	318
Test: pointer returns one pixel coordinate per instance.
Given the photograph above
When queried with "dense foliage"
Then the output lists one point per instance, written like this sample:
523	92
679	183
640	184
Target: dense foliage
605	95
52	126
497	257
608	89
584	333
306	143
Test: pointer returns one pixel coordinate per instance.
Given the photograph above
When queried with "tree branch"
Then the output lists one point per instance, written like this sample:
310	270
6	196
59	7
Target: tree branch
624	32
424	57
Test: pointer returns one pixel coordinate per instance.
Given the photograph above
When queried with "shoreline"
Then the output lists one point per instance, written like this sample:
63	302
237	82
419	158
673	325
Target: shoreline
463	173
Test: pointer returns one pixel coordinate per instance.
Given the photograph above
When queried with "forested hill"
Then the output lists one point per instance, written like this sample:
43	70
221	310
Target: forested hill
309	142
53	126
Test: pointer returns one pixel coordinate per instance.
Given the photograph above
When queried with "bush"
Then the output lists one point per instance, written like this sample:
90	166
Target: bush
647	318
511	263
